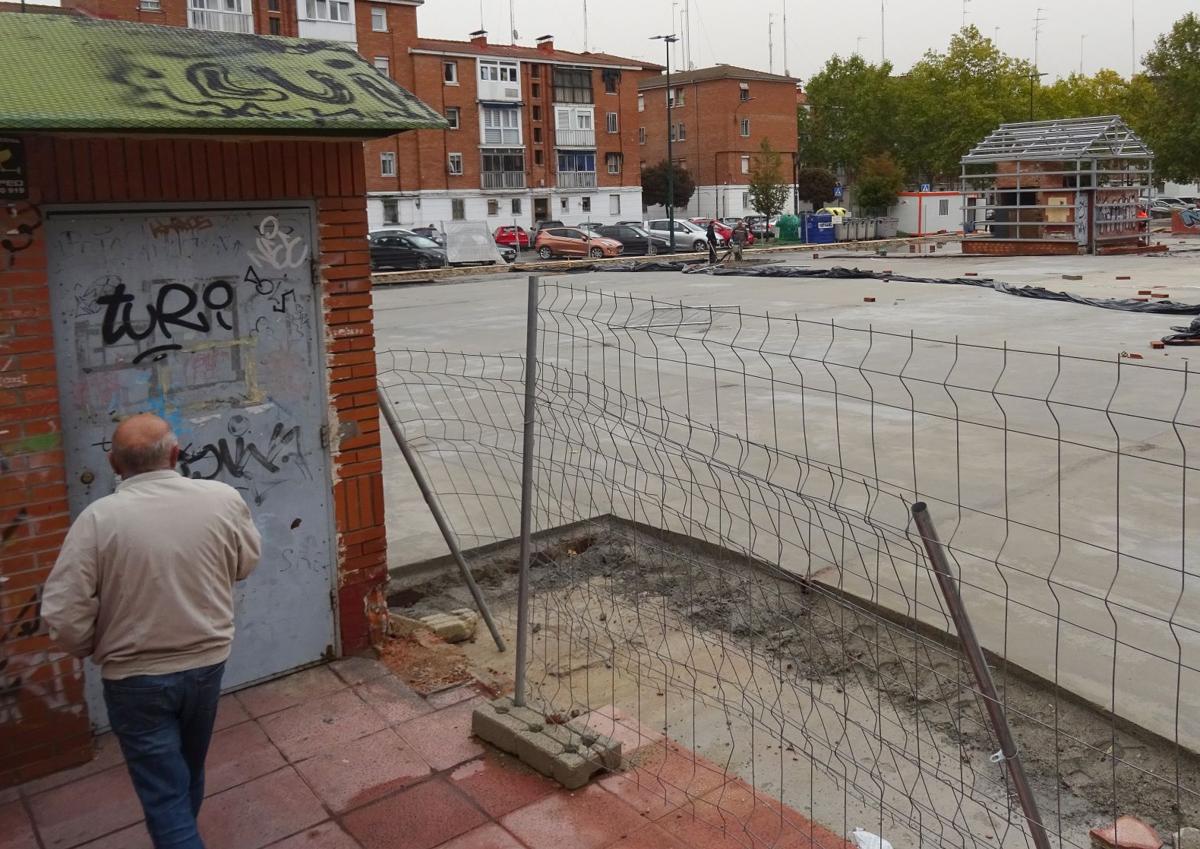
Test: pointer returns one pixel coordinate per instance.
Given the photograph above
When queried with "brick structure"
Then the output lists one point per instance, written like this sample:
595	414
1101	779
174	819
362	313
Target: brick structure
720	117
511	174
121	178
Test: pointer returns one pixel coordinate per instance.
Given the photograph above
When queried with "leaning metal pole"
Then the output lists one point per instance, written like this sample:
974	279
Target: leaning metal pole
526	493
983	676
439	516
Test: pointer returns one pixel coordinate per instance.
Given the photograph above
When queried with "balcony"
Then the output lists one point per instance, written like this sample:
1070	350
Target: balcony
577	179
503	179
220	21
575	138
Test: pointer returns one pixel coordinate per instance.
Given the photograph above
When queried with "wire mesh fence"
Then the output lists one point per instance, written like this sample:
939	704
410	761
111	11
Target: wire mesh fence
724	557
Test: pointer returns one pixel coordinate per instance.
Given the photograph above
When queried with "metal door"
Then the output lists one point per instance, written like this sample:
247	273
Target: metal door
210	319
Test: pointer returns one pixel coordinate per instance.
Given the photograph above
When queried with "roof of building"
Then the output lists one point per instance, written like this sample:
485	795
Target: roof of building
1101	137
70	73
716	72
531	54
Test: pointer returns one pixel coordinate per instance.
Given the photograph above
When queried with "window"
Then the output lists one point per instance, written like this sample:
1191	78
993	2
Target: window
671	132
744	91
272	5
745	200
680	97
497	72
612	78
565	204
585	204
452	115
641	103
493	207
613	161
572	85
387	164
150	5
583	120
641	135
516	206
745	164
450	73
943	207
746	128
391	211
682	131
383	65
455	162
275	26
378	19
614	204
577	161
539	158
328	10
510	161
537	113
500	125
611	122
535	90
458	209
537	135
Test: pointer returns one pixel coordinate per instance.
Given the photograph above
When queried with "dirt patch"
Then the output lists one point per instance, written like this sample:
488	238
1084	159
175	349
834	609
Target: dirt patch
425	662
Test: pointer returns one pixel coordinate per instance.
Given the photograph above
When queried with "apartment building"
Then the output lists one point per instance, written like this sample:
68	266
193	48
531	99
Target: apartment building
536	133
717	119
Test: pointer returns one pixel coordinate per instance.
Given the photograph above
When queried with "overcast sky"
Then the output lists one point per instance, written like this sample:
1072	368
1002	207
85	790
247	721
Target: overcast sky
735	31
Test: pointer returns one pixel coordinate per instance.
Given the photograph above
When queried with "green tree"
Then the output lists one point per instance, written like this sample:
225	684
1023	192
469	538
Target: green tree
815	185
654	185
879	183
768	191
850	115
1173	68
1080	96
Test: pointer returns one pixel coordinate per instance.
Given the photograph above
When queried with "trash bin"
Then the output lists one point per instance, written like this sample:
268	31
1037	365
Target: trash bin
789	228
839	231
819	229
870	227
888	228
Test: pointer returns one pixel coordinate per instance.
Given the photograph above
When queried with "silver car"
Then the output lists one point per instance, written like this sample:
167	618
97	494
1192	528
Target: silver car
687	235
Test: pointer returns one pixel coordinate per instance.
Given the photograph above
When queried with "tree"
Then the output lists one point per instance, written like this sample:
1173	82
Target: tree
850	113
654	185
1173	68
879	183
816	186
768	191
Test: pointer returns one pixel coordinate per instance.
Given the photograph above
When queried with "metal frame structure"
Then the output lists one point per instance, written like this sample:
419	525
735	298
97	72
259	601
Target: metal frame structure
1098	163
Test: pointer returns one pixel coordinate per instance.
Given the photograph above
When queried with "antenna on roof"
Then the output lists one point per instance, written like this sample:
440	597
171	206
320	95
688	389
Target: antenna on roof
512	22
786	71
585	27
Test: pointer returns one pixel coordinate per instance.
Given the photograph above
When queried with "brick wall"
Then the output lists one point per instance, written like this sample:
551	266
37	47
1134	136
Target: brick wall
43	721
1002	247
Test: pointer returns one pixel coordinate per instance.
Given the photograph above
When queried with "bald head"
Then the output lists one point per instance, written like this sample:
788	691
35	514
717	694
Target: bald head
143	443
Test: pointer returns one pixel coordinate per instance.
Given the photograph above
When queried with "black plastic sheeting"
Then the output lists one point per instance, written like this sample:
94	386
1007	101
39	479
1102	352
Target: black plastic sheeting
1163	307
1189	335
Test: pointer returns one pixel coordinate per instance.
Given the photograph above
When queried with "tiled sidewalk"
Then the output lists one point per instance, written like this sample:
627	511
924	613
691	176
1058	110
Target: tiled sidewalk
346	756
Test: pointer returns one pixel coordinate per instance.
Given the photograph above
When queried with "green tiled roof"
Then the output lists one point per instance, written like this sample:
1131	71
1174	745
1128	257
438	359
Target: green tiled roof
72	73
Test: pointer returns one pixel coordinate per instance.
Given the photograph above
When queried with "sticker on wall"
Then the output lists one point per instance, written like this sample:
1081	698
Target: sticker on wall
14	184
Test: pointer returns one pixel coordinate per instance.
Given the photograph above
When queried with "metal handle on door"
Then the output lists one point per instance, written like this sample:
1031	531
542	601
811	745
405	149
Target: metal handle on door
87	477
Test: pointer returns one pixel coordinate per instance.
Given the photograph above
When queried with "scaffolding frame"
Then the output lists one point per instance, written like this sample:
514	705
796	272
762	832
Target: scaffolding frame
1099	163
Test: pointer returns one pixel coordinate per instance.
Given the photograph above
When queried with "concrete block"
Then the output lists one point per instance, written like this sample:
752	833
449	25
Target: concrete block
500	728
573	771
1187	838
1072	277
453	627
538	752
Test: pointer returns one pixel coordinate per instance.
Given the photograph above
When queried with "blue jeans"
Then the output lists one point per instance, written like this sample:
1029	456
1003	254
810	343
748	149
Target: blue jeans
164	724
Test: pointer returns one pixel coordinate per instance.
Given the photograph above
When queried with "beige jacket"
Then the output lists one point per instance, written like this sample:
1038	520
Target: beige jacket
144	581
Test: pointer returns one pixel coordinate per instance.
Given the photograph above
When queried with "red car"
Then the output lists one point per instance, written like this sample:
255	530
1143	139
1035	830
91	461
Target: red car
513	237
723	231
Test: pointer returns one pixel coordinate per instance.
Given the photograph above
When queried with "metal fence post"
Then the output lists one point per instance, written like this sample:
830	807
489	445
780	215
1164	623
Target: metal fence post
1008	754
526	492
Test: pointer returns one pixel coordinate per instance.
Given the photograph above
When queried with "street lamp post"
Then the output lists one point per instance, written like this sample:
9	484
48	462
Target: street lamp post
1034	77
669	40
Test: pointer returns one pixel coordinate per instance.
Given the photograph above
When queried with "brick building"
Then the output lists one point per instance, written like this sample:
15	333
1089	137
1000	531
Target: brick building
536	132
719	117
182	230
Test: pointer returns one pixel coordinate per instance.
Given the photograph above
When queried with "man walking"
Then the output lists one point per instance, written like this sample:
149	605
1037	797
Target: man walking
711	235
144	585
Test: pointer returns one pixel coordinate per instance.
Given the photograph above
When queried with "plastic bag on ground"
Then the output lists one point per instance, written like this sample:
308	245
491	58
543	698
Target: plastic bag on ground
866	840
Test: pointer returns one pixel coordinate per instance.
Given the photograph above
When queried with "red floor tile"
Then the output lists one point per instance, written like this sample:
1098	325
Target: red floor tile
358	670
500	784
490	836
444	738
650	837
259	813
349	775
586	819
229	712
134	837
283	693
16	830
239	754
615	723
106	754
302	731
662	778
68	815
418	818
750	819
325	836
394	700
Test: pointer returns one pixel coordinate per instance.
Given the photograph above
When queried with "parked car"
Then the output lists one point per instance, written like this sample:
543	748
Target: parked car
542	225
397	251
574	241
1167	205
635	239
723	231
759	227
687	234
431	233
514	237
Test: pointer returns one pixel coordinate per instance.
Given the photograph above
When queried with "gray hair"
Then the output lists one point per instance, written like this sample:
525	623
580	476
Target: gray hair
135	459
